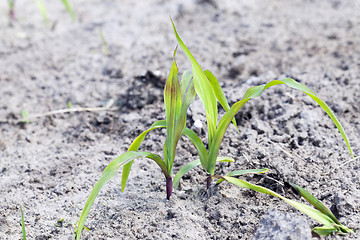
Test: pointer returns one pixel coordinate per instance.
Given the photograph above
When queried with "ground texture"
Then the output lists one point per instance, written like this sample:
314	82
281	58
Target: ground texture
50	165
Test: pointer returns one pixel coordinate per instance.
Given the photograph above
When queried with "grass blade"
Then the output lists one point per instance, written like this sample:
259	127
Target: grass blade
220	132
134	147
172	100
69	9
219	93
109	172
22	223
192	165
42	9
244	171
323	231
202	88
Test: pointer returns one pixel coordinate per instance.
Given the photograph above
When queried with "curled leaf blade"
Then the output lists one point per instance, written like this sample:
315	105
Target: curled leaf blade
194	138
172	100
134	147
185	169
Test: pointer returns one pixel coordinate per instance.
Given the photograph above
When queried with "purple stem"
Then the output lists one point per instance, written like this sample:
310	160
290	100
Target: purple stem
168	187
208	181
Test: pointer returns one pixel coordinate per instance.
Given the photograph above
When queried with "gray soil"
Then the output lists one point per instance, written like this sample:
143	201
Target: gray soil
50	165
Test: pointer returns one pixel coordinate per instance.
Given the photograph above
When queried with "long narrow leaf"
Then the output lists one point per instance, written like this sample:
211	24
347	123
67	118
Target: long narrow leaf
202	88
134	147
109	172
315	202
244	171
219	93
185	169
311	212
172	100
220	132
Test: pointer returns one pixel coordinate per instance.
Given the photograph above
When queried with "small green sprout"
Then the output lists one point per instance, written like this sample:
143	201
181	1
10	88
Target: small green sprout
22	223
43	11
25	116
177	98
11	5
69	9
105	47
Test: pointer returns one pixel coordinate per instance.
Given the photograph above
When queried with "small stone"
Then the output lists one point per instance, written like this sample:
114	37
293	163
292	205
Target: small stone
198	124
282	226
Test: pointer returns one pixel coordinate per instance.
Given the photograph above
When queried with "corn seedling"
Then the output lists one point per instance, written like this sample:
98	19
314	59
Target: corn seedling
43	11
177	98
209	91
11	5
69	9
22	224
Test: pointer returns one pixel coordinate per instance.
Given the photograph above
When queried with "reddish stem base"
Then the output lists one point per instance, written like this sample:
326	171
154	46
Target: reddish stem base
168	188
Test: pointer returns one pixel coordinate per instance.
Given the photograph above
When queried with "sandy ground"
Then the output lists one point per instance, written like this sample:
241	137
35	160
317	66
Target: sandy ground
50	165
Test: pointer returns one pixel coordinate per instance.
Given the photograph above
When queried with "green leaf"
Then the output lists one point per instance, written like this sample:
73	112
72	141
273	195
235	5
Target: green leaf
194	138
219	134
255	92
323	231
203	89
109	172
134	147
315	202
192	165
311	212
244	171
187	97
172	100
219	93
22	223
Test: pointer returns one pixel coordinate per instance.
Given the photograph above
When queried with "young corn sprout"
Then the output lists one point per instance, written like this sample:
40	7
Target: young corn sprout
209	91
22	223
177	98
